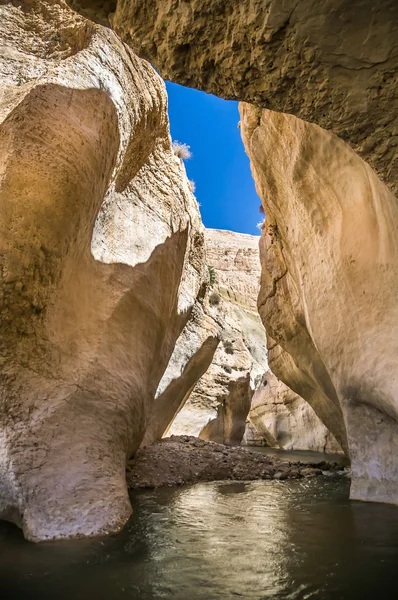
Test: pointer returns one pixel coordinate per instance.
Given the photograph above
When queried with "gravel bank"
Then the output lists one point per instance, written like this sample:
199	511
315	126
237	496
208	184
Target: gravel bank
184	459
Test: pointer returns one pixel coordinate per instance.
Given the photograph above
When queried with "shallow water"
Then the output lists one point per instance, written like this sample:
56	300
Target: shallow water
296	539
304	456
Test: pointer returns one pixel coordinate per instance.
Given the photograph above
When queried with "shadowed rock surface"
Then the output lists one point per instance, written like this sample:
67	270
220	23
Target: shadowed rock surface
282	419
100	264
333	63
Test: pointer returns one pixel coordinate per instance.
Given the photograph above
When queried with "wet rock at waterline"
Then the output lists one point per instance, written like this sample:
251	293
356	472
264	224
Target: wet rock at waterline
185	459
101	260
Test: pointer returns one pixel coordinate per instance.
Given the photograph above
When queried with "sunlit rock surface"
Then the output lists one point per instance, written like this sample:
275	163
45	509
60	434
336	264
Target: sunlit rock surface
218	405
329	287
101	258
217	408
192	356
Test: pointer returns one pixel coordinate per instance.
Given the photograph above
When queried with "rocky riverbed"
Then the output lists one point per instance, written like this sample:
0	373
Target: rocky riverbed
185	459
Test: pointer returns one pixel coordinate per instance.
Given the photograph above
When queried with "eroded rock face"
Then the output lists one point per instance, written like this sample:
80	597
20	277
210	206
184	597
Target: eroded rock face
282	419
333	63
192	356
101	257
329	286
329	283
218	405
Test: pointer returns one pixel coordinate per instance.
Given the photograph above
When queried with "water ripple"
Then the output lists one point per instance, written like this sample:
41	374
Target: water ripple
263	540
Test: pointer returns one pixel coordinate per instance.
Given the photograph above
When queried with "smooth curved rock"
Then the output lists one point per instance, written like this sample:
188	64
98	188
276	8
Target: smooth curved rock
280	418
330	285
192	356
100	263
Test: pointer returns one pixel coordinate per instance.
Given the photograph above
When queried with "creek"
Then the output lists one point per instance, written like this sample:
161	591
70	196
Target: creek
295	539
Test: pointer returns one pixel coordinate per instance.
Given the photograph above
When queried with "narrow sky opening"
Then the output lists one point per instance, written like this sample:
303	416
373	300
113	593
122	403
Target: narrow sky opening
219	165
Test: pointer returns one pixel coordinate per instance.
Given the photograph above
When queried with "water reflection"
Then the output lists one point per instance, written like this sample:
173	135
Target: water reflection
259	540
304	456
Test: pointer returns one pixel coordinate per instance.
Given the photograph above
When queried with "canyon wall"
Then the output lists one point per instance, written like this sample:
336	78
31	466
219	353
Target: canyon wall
280	418
329	246
329	286
101	259
102	250
218	406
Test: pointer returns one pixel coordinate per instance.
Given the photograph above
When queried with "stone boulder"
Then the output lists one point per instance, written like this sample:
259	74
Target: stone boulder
101	259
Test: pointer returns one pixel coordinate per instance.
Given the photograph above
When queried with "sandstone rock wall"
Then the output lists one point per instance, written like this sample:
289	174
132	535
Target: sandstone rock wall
333	62
329	259
101	258
101	248
280	418
218	405
329	286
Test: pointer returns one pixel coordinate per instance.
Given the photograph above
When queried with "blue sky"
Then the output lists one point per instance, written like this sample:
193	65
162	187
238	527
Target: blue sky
219	165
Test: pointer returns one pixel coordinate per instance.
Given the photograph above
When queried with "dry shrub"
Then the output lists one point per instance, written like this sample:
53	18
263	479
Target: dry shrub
181	150
214	299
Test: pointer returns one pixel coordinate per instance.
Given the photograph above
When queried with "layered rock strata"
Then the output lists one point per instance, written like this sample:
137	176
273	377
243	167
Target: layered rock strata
101	258
219	403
